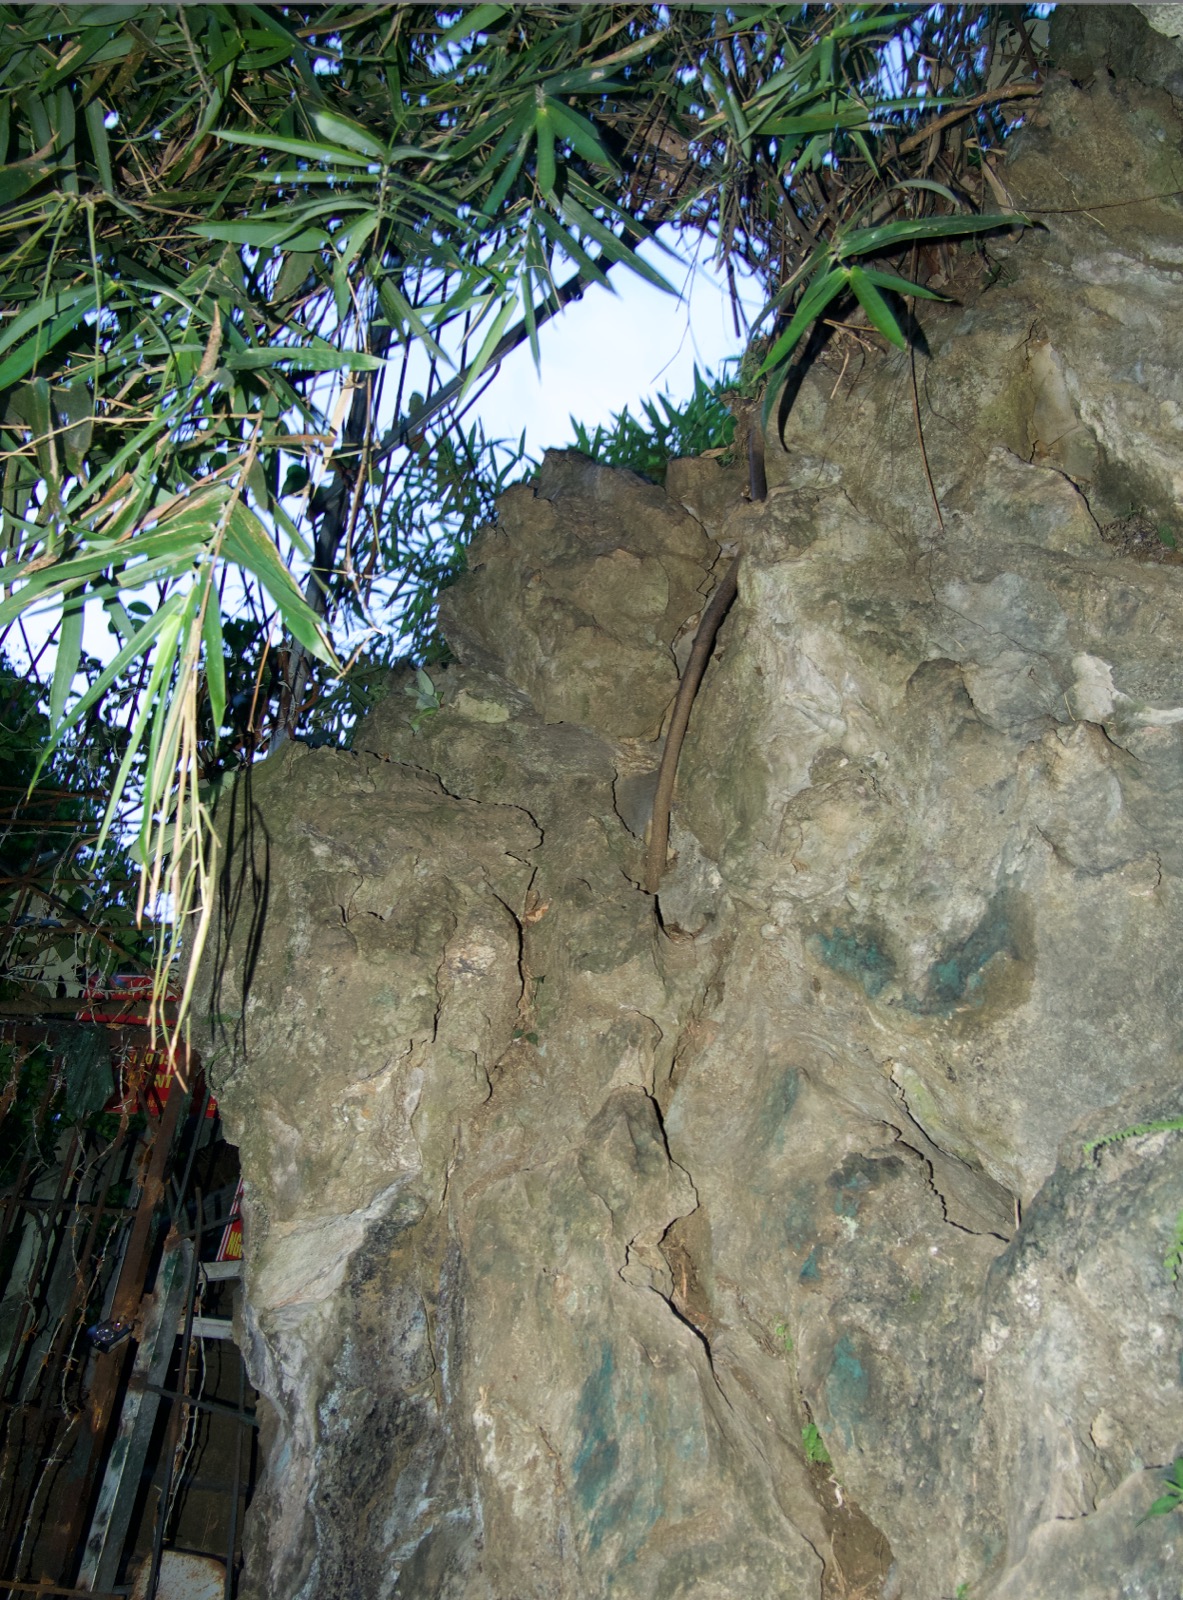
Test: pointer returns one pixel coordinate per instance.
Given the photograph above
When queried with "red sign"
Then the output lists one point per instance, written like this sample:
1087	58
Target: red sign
145	1074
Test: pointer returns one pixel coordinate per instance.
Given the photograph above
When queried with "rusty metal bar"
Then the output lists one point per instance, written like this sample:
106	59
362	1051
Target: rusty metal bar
26	1475
12	1202
69	1253
125	1461
182	1189
48	1588
175	1421
59	1550
128	1010
61	1539
128	1291
248	1419
79	1207
236	1486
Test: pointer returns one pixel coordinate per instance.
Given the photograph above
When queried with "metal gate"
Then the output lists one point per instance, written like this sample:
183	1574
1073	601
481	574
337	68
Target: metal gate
128	1437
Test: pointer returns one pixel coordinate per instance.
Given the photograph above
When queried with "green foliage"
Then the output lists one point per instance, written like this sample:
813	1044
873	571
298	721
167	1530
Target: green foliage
833	271
668	430
814	1445
65	904
425	696
783	1337
1137	1131
1173	1259
1172	1497
449	491
29	1128
51	1088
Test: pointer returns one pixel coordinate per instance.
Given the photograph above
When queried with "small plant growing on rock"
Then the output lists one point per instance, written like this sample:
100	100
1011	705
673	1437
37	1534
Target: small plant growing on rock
814	1445
1173	1260
425	695
1172	1497
1137	1130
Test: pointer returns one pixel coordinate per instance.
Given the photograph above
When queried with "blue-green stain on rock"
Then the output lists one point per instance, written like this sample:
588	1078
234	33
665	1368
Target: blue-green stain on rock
812	1268
961	970
800	1222
847	1389
848	1195
958	976
856	1176
599	1455
856	956
778	1107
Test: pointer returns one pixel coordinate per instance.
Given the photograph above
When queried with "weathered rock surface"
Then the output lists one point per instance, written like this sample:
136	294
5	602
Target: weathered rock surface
569	1222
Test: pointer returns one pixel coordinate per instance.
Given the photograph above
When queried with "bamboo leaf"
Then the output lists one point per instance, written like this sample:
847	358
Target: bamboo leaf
545	136
931	185
263	232
473	19
501	188
864	241
890	280
807	122
308	358
247	543
165	623
813	302
404	315
19	177
490	344
559	236
333	155
879	313
291	529
353	240
134	649
517	132
581	134
614	248
100	148
170	550
342	131
75	408
74	302
858	27
69	653
215	663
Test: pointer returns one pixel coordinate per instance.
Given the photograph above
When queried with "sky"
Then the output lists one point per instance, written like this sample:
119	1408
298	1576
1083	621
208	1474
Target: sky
608	351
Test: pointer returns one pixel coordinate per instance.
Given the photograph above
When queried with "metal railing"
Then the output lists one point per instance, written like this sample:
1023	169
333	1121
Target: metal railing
105	1413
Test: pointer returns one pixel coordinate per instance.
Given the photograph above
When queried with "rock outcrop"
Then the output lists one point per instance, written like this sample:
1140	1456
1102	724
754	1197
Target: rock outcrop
749	1242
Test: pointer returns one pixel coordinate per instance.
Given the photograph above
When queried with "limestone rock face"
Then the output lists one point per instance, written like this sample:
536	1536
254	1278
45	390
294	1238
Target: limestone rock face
756	1241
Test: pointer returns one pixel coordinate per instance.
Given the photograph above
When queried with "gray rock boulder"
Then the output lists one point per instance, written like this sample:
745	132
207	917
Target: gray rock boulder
746	1241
